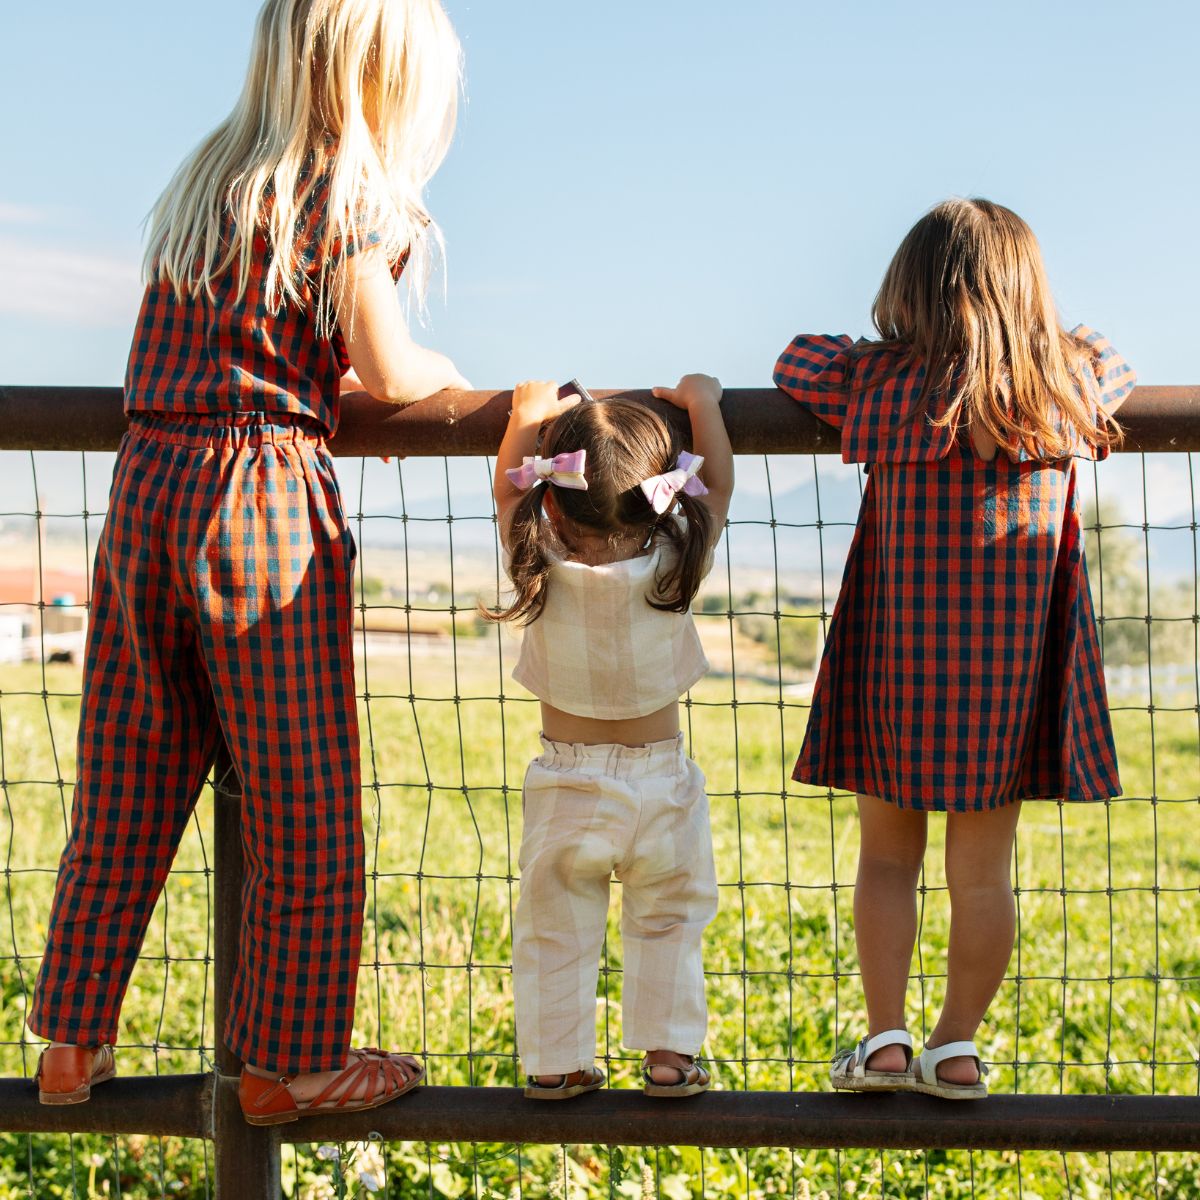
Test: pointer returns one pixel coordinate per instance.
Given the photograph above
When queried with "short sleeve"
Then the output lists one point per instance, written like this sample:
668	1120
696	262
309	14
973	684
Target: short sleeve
367	238
365	231
815	371
1114	376
364	238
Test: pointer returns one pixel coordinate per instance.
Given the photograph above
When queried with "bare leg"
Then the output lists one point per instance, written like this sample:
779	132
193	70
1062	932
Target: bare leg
885	915
983	921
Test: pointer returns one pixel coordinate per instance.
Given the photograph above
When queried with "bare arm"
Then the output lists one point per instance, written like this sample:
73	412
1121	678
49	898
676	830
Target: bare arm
391	366
700	397
533	404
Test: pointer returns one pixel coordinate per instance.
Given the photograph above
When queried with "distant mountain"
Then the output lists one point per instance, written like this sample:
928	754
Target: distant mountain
795	548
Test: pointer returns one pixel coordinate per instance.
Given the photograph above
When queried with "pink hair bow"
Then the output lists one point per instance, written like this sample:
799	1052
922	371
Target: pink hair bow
661	490
563	470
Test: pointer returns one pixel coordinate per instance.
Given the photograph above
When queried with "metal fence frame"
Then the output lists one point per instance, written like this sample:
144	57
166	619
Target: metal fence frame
248	1159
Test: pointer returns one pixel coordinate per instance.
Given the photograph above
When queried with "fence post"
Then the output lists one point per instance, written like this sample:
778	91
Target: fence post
247	1156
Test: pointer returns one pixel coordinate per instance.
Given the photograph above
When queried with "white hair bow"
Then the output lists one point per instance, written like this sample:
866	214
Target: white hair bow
563	470
661	490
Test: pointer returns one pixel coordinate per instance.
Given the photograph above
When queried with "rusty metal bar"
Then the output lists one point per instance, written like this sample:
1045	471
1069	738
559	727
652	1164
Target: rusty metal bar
184	1106
161	1105
760	421
811	1121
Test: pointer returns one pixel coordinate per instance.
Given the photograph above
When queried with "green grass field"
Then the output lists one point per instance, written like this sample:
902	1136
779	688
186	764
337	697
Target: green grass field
1103	994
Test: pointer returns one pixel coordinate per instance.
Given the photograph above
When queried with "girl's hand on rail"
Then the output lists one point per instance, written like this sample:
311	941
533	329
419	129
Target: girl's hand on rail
691	390
537	401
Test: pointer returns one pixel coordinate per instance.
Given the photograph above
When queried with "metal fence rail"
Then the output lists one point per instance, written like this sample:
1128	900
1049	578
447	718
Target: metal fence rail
248	1161
185	1106
759	420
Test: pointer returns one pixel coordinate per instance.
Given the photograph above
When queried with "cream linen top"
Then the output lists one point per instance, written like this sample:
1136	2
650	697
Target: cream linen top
600	650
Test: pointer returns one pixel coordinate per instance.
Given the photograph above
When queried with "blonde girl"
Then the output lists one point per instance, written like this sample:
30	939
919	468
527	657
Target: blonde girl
221	599
610	527
962	670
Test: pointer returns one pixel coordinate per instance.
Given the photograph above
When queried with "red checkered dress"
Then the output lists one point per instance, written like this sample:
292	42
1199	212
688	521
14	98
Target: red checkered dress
221	606
962	669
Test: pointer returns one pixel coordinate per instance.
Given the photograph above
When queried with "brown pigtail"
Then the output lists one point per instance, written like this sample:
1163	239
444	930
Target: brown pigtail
692	540
529	566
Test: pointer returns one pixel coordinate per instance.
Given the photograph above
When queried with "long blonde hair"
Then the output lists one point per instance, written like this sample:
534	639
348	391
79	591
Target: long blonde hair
370	85
966	296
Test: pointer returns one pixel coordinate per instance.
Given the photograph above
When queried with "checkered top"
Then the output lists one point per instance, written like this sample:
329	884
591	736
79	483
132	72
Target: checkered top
867	390
223	355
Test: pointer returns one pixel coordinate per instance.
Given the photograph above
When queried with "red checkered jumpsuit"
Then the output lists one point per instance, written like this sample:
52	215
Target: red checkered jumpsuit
221	607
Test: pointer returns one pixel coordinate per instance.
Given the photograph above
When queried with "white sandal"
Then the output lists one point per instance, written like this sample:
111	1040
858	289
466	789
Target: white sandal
925	1076
849	1073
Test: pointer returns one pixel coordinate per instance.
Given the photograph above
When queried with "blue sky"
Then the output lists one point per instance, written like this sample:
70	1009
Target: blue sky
647	186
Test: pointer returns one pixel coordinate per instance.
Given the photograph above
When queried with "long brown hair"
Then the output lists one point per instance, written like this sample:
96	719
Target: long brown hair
966	297
625	443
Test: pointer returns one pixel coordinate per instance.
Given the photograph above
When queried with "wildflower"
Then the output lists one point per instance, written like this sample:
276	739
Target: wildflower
372	1171
319	1189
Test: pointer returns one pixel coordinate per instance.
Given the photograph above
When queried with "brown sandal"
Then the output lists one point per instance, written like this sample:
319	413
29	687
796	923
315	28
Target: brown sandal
268	1101
573	1084
693	1078
67	1074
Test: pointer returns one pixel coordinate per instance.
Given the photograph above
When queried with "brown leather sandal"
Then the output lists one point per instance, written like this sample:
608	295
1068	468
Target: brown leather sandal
573	1084
268	1101
693	1078
67	1074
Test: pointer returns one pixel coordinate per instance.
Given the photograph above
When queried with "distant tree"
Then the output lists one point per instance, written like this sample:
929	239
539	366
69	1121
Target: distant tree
793	636
1116	558
373	588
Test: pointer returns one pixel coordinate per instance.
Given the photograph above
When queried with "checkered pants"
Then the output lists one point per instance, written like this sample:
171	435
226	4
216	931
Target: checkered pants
591	811
221	604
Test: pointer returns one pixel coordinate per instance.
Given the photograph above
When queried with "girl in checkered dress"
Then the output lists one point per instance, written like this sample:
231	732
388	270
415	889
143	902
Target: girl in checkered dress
962	671
221	604
609	531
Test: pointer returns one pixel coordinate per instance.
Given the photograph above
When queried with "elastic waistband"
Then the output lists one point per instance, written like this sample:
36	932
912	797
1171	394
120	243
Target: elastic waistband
655	758
234	430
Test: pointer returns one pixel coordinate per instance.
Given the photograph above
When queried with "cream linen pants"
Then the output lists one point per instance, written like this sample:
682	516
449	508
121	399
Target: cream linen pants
592	811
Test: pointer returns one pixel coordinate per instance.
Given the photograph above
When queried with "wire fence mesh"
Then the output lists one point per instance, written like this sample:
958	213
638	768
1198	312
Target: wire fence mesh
1103	994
